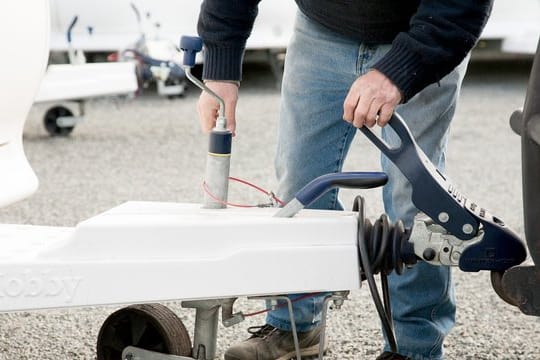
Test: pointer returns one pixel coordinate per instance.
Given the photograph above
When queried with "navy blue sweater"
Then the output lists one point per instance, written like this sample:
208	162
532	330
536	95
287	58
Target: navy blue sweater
429	37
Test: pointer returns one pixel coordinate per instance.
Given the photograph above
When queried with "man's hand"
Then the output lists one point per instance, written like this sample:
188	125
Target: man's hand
372	99
208	106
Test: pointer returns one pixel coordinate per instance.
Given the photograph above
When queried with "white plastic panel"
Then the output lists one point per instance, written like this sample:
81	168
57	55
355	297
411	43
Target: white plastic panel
145	251
21	243
70	82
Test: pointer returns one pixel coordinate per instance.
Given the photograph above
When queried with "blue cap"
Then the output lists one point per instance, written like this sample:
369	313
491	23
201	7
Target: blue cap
191	45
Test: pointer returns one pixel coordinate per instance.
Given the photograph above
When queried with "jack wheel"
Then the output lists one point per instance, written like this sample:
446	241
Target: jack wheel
50	121
151	327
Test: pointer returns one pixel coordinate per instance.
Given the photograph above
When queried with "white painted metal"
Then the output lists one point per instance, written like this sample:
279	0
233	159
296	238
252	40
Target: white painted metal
75	82
24	38
147	251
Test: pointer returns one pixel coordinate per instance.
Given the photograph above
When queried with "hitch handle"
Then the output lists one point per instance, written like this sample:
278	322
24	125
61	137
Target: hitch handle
427	182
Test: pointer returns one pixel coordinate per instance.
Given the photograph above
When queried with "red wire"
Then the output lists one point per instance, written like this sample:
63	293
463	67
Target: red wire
207	191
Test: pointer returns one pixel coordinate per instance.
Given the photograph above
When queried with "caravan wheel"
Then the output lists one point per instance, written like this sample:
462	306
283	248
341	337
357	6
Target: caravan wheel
151	327
51	123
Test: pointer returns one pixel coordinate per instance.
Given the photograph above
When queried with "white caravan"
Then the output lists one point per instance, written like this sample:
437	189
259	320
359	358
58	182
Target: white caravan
113	25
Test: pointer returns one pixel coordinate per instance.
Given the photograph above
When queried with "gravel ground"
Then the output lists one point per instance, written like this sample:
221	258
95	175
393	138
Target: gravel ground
150	148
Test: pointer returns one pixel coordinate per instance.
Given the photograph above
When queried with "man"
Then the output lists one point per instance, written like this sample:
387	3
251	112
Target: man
357	61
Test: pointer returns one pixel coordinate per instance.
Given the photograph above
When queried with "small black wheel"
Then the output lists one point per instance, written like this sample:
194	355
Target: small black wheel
151	327
49	120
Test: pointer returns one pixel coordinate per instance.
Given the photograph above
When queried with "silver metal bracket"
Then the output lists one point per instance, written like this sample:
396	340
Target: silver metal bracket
338	298
290	209
434	245
135	353
206	324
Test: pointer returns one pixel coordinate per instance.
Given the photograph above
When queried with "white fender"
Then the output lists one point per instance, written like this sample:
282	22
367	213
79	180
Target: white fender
24	37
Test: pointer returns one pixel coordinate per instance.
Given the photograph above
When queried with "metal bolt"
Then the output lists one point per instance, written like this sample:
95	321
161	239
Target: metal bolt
455	256
444	217
468	229
338	302
429	254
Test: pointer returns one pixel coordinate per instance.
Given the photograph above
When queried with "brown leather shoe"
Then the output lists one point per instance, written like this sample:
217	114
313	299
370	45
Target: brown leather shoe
269	343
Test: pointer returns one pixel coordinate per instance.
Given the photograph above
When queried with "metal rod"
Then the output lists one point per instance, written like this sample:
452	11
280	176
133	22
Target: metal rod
206	327
203	87
338	298
291	317
322	336
293	327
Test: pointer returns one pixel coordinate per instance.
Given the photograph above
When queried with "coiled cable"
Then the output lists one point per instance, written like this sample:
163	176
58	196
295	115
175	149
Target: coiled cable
382	248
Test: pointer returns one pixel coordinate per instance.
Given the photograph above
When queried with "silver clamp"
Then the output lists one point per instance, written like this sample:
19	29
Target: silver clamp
434	245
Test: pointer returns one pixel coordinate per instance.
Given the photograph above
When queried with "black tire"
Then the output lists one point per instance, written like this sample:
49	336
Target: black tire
49	121
496	283
151	327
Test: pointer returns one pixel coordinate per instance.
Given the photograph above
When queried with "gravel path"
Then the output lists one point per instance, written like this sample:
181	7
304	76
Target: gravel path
151	149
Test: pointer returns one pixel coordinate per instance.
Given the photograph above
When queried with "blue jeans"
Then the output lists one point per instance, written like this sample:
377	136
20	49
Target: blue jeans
313	140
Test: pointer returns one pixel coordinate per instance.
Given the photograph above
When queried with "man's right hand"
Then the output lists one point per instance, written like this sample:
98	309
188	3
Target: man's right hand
208	106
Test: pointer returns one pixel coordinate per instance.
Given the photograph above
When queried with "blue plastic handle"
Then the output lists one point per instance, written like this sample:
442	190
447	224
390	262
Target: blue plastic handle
191	45
356	180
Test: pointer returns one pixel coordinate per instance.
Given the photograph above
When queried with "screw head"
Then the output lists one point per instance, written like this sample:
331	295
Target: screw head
429	254
468	229
444	217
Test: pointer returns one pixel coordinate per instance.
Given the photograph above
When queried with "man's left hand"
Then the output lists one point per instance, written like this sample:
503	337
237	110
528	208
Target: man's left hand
371	100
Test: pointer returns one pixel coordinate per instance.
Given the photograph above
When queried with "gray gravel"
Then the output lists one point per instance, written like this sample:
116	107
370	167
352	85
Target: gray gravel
150	148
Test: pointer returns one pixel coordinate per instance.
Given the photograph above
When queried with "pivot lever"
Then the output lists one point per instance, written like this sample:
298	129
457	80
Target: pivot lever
475	239
432	193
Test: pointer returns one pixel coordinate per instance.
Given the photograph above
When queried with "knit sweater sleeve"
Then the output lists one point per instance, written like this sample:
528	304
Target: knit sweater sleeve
224	27
441	34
